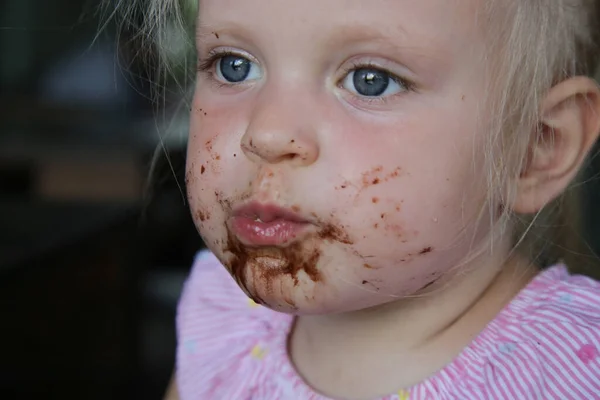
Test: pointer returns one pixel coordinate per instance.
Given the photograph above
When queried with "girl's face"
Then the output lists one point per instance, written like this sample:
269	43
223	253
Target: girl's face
333	161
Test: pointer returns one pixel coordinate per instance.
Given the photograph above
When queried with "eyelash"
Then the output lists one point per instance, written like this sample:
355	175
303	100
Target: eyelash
207	66
209	62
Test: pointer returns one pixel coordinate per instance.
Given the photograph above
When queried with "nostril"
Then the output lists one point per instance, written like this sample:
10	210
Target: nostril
276	148
293	156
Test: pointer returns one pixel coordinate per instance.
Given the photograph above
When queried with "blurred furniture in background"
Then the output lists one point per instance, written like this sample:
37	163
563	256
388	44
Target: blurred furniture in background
88	291
91	263
68	299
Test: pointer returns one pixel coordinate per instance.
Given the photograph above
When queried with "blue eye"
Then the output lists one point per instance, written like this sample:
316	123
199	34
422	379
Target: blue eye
372	82
235	69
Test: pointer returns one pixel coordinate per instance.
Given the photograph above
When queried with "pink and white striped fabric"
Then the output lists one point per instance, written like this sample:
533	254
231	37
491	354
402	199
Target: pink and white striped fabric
544	345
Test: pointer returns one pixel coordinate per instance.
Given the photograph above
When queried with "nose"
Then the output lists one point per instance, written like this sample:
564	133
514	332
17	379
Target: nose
281	130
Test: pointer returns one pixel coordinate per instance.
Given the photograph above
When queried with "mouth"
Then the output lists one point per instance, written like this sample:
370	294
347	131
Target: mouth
258	225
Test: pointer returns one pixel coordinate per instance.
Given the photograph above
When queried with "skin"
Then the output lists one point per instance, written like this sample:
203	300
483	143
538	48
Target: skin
386	172
172	392
393	187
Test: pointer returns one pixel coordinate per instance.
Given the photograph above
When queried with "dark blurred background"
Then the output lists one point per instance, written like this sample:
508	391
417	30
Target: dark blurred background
91	261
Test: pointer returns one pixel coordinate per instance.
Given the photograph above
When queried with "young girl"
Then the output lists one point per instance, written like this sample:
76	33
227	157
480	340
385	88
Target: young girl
359	171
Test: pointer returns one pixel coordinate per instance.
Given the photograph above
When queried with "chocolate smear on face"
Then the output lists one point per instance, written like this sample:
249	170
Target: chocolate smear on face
426	250
257	268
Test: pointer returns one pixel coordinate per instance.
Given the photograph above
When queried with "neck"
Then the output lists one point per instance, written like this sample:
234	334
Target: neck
430	329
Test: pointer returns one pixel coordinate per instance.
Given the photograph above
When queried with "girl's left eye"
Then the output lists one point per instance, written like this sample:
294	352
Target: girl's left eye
372	82
232	68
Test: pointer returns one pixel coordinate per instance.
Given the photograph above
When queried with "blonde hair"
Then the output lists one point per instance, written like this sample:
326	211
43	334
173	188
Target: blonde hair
533	44
163	31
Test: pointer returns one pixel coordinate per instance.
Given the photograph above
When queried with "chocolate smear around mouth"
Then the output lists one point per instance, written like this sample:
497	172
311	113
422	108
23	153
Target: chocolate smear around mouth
264	265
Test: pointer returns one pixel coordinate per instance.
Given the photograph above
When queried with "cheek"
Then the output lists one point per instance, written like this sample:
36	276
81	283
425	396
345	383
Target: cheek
413	211
216	171
205	147
202	201
204	174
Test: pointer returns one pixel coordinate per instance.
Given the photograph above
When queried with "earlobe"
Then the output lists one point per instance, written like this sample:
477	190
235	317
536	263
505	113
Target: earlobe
568	128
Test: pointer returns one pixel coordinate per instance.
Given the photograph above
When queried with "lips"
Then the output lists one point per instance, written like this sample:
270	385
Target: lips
258	224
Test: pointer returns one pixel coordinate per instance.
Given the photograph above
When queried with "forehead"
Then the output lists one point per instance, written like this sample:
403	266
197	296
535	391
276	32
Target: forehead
431	21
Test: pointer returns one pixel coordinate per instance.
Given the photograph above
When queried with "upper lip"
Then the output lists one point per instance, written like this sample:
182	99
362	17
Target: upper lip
267	213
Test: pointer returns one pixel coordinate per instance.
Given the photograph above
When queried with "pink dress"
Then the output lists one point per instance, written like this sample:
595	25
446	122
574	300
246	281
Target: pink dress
544	345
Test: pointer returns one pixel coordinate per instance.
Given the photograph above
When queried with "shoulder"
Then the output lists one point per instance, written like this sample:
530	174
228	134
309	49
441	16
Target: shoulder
558	300
546	344
218	331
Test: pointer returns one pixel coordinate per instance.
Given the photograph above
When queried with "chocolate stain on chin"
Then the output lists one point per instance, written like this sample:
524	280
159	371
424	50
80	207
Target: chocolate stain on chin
267	264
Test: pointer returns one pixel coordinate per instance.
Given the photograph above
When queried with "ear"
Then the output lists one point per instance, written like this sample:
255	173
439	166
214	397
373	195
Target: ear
569	127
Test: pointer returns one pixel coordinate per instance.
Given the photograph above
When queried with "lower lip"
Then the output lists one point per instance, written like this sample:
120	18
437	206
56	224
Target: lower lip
275	233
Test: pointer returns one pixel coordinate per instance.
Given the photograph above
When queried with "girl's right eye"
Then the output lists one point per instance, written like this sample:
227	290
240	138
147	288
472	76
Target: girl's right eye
234	69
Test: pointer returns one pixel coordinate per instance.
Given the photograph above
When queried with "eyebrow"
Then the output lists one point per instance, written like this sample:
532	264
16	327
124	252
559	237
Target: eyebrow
397	40
342	34
226	29
356	33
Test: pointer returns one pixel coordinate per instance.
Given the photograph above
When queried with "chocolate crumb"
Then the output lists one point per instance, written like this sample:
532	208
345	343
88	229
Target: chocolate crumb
201	216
